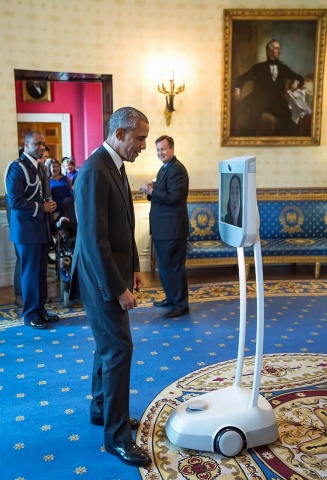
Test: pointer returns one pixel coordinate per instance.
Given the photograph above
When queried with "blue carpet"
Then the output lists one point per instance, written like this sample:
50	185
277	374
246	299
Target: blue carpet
45	376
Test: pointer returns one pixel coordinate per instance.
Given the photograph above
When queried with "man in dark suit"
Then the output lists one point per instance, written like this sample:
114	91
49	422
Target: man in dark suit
29	225
169	226
267	106
106	264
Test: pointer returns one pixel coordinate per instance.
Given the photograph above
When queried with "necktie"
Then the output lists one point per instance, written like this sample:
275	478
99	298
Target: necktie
39	169
125	181
40	175
44	195
160	173
124	176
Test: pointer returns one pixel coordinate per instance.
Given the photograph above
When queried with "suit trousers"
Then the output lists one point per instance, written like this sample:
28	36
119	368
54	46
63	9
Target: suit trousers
34	263
111	370
17	275
171	257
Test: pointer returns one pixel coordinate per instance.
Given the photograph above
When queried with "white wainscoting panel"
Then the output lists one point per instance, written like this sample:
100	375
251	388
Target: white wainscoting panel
142	234
7	253
142	237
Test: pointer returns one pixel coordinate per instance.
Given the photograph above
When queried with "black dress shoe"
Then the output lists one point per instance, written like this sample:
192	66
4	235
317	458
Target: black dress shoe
49	318
98	421
129	453
161	303
39	323
175	312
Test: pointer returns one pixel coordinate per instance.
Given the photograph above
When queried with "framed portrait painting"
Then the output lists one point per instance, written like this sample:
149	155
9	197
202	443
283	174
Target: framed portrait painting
273	77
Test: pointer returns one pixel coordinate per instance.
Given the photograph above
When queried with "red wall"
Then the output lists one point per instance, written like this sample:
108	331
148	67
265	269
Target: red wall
83	101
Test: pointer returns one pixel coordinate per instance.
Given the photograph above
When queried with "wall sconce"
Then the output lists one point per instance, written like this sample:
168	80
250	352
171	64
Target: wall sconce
170	93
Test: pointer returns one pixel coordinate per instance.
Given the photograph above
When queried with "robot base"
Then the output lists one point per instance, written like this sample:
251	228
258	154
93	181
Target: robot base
223	421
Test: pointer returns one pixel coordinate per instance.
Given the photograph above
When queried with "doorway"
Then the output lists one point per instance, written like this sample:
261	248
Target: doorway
54	126
102	111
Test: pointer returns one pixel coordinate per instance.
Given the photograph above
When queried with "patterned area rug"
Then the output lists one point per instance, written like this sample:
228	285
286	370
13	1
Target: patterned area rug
301	451
10	315
45	383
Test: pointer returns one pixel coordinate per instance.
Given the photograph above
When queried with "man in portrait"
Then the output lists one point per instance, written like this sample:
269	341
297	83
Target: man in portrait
265	110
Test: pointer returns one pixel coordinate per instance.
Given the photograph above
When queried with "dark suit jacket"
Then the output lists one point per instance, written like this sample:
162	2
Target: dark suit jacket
28	221
105	256
168	214
267	95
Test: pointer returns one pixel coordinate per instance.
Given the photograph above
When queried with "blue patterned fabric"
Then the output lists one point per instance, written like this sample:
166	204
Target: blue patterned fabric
210	249
293	219
293	228
203	218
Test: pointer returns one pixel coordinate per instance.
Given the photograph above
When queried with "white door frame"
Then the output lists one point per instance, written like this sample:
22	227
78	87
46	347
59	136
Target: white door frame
63	118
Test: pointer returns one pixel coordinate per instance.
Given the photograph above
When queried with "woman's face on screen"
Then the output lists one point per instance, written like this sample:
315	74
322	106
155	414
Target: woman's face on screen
235	197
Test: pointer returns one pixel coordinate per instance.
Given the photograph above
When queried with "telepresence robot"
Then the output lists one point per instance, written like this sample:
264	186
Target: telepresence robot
232	418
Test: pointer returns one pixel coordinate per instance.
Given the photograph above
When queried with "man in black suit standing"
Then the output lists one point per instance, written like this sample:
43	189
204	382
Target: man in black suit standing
267	104
169	226
106	264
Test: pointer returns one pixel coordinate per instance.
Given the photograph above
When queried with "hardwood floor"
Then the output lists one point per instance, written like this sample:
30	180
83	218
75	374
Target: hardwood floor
203	275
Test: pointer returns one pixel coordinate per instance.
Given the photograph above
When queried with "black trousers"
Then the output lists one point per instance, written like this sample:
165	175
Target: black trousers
33	273
171	257
17	275
111	370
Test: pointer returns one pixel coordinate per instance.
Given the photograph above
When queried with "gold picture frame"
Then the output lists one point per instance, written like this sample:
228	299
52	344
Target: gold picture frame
302	38
36	91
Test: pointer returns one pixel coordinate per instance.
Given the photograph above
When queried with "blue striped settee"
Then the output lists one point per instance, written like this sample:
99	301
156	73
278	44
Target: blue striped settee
293	229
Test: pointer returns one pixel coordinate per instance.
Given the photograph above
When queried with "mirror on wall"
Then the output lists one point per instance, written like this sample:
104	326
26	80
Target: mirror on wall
71	109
